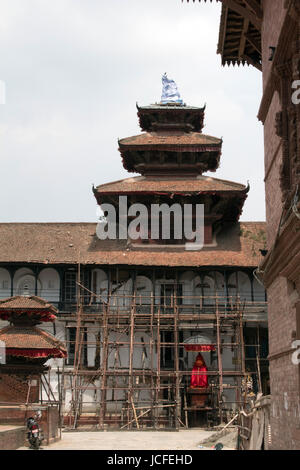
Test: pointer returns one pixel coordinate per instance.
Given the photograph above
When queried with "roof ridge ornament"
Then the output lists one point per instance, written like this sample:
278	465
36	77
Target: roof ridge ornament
170	93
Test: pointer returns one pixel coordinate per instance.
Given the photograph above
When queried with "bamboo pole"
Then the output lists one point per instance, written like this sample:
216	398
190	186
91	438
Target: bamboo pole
220	364
151	354
176	358
104	369
186	411
158	369
130	384
134	412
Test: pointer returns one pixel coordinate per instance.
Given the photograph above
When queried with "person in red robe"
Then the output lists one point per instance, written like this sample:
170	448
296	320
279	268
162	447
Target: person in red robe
199	380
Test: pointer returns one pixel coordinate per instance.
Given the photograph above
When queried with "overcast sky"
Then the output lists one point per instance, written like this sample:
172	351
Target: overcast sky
74	70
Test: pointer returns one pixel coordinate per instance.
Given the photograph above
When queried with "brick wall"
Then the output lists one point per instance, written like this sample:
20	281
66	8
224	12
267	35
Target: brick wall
273	161
14	389
284	375
274	14
49	422
12	439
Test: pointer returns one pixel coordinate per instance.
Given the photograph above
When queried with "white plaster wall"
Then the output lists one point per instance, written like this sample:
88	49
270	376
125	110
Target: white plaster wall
229	394
258	291
121	297
143	290
99	279
24	277
240	285
187	280
55	364
209	290
91	346
219	288
5	283
49	284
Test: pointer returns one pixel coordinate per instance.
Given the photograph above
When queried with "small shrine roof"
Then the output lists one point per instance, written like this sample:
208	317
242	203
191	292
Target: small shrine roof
24	302
21	340
28	337
22	306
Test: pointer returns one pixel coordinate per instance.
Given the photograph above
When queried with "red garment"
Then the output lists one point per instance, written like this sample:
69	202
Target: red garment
199	380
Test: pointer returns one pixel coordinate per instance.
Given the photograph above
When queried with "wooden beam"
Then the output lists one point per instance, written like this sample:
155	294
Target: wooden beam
244	12
223	32
243	38
255	6
252	62
254	43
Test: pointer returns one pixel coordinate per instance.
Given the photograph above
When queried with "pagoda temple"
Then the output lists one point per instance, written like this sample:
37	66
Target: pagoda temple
27	347
171	156
158	335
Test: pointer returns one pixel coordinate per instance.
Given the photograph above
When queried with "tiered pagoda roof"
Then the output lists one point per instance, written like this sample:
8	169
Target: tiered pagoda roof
22	339
172	144
171	156
22	307
30	342
170	185
174	117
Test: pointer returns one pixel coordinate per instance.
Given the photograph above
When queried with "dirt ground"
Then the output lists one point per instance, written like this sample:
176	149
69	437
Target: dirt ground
126	440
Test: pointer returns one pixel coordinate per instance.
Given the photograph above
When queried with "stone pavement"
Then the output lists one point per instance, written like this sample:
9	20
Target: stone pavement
130	440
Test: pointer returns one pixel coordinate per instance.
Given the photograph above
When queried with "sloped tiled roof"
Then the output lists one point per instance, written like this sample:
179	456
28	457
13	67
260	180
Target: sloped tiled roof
170	185
29	337
176	139
22	302
70	243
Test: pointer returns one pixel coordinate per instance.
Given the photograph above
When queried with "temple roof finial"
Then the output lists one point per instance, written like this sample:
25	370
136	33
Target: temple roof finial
170	93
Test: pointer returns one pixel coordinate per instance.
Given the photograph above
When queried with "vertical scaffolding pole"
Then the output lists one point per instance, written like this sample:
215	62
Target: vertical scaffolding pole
242	350
157	390
152	392
130	378
77	352
220	364
105	346
176	360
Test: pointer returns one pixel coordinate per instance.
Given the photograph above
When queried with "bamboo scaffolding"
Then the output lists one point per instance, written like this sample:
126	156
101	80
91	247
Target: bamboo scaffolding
119	315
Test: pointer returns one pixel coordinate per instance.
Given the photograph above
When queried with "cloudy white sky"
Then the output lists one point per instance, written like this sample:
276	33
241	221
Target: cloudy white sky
74	70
